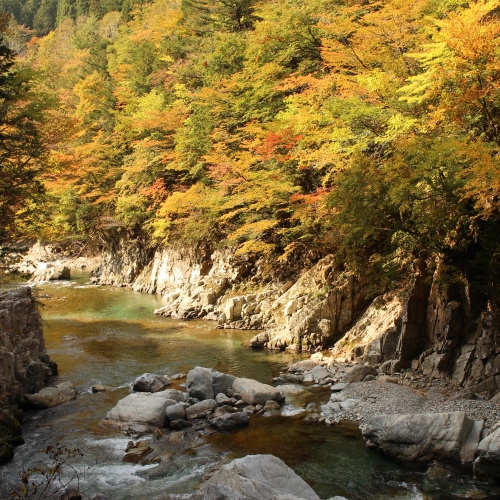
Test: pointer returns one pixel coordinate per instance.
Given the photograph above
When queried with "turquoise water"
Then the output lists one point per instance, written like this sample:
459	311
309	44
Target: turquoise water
110	336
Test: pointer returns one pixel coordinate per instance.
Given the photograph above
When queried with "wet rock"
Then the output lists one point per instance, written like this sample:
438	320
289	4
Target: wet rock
229	420
487	463
180	424
99	388
51	396
254	392
6	451
149	382
137	452
358	373
200	410
423	437
256	477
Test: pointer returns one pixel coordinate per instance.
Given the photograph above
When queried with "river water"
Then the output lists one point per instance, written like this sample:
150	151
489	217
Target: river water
109	336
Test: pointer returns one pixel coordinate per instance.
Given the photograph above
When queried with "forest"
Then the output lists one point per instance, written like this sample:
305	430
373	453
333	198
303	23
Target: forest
365	128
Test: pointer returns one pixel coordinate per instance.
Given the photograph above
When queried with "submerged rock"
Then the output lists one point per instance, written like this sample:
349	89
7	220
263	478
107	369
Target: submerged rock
229	420
424	437
256	477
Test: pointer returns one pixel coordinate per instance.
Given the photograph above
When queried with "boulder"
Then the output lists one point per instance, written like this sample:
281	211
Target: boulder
221	382
256	477
200	410
229	420
358	373
149	382
49	272
199	383
51	396
487	463
175	412
254	393
320	373
141	407
423	437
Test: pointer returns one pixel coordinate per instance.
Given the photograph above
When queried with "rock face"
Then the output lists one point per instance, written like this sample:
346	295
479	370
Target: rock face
256	393
424	437
487	463
256	477
10	435
51	396
24	362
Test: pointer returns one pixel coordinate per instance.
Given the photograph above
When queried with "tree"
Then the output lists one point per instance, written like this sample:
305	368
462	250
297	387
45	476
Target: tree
21	142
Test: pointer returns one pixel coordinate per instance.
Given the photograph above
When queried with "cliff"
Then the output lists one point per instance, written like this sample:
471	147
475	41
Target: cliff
422	326
24	362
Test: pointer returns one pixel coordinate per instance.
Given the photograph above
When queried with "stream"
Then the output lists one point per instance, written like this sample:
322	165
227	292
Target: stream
109	336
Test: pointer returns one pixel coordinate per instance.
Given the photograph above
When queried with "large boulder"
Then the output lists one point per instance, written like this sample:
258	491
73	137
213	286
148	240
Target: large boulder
199	383
487	463
256	393
358	373
148	382
51	396
424	437
141	407
256	477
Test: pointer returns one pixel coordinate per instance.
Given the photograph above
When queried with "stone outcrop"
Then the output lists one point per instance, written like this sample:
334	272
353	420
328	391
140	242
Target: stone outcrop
256	477
424	437
24	362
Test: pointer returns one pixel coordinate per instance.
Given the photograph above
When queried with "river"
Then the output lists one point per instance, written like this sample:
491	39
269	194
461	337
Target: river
109	336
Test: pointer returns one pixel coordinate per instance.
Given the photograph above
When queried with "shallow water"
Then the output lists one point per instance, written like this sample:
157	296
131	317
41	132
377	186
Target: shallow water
110	336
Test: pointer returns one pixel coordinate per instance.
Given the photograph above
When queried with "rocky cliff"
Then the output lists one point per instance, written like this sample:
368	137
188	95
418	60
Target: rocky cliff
422	326
24	362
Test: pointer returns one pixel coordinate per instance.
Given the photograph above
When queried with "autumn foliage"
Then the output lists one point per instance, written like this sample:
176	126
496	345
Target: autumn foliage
366	128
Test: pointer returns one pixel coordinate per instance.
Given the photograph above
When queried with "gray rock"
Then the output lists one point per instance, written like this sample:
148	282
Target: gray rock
221	382
256	477
358	373
422	437
175	412
222	399
338	387
320	373
52	396
141	407
199	383
229	420
178	396
149	382
253	392
487	463
200	410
